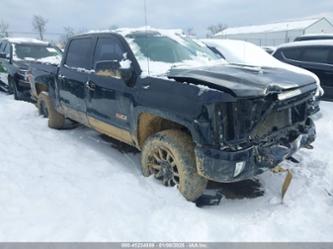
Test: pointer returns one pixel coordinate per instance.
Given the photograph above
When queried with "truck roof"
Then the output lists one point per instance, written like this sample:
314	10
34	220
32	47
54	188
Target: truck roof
307	43
129	31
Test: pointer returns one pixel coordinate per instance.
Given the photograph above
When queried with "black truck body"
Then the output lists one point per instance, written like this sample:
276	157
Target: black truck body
242	120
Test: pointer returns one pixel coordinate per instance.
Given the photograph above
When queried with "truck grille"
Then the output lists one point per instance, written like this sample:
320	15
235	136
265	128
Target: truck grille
254	119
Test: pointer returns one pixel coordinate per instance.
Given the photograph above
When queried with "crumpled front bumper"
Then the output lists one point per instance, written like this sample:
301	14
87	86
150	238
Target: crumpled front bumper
220	166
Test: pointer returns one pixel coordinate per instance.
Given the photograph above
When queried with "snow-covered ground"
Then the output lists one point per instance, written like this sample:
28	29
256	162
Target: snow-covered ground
73	185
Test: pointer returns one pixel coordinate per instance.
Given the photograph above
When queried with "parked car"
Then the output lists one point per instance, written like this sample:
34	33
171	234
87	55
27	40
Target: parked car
311	37
315	56
194	117
15	56
246	53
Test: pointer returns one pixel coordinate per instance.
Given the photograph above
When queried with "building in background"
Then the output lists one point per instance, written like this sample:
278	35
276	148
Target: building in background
277	33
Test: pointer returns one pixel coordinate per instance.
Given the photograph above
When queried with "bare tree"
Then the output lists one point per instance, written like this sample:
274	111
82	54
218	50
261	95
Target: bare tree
190	32
39	25
214	29
68	33
4	29
113	27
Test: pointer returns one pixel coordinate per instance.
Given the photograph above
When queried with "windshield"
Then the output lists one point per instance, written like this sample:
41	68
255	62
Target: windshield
165	51
34	52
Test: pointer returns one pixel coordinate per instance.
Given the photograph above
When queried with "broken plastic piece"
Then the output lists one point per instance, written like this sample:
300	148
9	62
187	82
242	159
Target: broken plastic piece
209	200
287	180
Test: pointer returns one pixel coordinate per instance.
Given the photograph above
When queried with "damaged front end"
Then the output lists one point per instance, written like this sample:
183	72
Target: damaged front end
253	135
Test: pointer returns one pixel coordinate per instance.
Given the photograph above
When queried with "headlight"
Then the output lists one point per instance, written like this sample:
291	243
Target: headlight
24	73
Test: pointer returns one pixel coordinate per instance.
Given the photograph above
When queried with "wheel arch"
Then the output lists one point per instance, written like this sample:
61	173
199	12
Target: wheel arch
149	122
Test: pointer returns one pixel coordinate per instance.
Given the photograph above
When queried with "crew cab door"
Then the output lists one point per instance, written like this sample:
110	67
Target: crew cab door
73	76
108	100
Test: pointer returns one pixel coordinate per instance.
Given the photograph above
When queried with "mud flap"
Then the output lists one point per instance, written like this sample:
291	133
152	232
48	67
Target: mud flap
209	200
287	180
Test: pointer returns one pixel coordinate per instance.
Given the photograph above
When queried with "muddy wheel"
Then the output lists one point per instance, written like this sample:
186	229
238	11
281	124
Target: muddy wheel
46	109
169	156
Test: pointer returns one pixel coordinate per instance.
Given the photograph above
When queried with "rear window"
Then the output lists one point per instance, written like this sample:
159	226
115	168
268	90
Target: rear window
292	53
318	55
79	53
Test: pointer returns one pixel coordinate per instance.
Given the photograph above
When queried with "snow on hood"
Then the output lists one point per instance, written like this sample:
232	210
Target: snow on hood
54	60
246	53
18	40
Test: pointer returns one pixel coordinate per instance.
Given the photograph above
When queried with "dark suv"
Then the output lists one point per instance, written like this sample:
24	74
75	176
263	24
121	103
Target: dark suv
15	56
194	117
315	56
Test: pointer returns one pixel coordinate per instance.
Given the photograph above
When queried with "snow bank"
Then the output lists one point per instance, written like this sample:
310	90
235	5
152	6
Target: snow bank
72	185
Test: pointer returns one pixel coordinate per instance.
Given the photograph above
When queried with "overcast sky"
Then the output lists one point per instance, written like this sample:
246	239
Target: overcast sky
196	14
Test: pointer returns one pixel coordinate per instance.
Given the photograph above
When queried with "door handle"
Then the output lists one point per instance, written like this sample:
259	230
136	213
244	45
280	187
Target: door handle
91	85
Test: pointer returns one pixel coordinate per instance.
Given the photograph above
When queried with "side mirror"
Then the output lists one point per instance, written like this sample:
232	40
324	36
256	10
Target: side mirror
115	69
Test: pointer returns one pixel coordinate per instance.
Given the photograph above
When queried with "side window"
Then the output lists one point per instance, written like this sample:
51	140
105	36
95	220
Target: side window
316	54
79	53
292	53
1	47
108	49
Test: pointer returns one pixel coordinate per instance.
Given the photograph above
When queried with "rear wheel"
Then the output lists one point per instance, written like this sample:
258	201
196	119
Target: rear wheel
169	156
46	109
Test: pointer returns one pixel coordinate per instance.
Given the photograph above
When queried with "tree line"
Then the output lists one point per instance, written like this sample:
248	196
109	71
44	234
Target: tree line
39	25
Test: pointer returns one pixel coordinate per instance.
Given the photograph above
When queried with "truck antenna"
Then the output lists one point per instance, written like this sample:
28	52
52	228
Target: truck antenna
146	31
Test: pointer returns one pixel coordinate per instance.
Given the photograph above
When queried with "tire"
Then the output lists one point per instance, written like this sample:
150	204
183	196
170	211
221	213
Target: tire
46	108
12	89
173	150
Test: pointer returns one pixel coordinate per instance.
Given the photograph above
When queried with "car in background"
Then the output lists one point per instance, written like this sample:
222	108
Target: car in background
315	56
16	54
245	53
311	37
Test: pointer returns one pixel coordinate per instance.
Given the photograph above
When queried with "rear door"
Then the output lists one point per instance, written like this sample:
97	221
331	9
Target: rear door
317	59
73	76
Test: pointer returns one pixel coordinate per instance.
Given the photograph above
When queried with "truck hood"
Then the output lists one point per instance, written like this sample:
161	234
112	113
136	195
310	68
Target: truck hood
243	81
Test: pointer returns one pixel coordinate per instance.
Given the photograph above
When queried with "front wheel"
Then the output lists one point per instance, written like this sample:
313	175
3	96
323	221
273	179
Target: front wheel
169	156
46	109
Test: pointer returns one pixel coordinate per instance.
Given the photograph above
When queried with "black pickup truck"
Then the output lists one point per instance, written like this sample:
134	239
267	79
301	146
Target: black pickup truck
16	54
194	117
